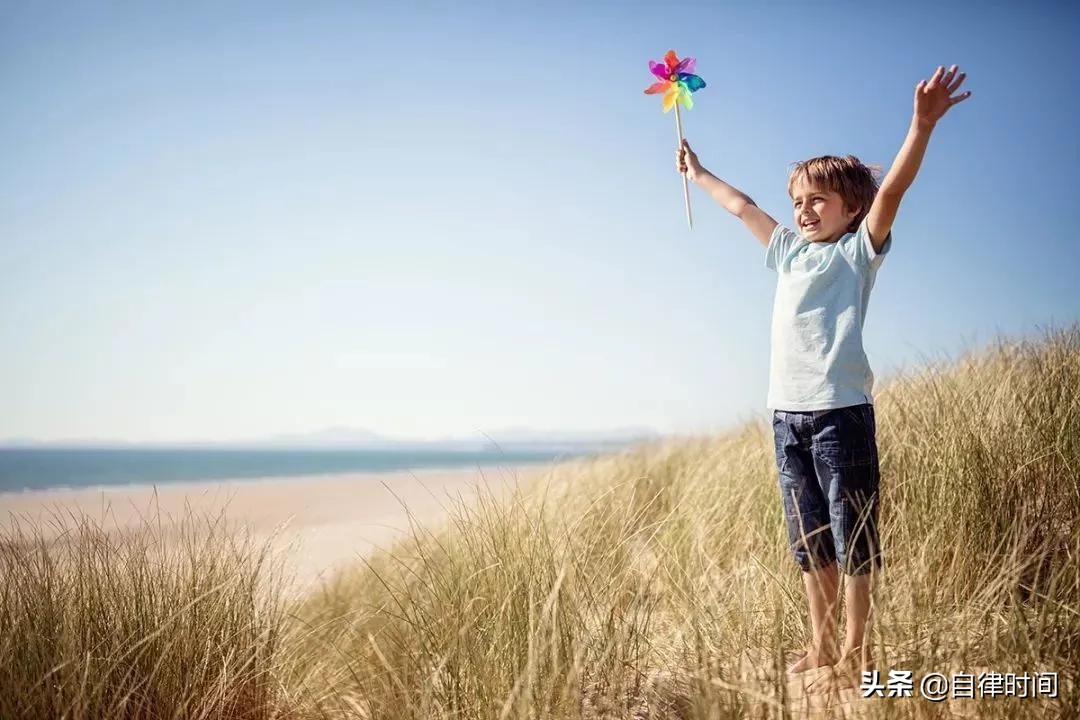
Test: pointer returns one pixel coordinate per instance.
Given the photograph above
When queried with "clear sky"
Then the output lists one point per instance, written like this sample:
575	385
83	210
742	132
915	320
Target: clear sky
439	219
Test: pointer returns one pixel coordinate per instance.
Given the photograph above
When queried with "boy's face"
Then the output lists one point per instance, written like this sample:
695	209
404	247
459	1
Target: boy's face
820	214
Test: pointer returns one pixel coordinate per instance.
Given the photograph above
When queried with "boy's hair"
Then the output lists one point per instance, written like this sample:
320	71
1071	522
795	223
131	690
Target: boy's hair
856	183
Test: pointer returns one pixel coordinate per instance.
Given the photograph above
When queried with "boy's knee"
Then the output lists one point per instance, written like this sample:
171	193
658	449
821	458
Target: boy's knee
860	563
811	561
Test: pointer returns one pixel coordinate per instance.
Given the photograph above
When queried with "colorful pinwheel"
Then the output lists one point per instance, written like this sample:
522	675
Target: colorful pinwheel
677	82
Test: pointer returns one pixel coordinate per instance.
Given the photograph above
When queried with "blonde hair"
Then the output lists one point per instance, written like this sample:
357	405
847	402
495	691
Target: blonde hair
855	182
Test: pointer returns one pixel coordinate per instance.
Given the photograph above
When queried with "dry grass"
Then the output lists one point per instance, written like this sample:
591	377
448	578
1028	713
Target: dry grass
104	624
653	583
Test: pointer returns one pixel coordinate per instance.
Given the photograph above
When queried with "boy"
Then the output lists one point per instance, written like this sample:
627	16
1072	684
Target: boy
819	380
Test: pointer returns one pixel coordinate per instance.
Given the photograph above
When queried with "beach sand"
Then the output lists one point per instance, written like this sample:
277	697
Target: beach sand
317	522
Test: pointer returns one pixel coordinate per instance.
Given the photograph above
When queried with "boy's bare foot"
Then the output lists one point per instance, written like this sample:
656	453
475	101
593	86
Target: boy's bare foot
809	659
846	673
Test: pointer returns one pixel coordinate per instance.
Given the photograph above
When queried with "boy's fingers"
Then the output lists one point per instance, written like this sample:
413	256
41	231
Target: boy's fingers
959	98
936	77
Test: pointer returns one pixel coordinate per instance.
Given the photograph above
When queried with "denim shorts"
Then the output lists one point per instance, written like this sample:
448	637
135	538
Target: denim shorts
829	478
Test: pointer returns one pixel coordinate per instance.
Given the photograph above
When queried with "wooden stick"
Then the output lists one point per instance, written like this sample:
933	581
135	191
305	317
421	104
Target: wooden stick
685	184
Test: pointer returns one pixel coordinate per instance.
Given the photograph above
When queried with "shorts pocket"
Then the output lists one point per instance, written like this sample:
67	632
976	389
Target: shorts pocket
853	457
781	439
858	416
851	442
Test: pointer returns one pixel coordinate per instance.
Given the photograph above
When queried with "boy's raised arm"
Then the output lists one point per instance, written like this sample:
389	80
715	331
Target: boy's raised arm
739	204
932	100
731	199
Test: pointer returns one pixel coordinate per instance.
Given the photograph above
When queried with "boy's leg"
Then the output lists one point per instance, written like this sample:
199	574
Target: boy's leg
845	456
821	585
857	591
856	657
806	513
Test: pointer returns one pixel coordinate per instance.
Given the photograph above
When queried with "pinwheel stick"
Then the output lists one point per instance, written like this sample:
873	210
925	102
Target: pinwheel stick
685	182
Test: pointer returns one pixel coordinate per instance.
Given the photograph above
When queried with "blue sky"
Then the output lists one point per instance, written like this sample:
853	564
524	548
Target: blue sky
222	223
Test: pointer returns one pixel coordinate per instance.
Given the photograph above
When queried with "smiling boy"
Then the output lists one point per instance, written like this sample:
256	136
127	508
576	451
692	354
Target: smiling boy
820	381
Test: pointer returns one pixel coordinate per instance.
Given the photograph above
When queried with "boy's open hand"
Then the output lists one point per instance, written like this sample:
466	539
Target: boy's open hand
934	98
686	161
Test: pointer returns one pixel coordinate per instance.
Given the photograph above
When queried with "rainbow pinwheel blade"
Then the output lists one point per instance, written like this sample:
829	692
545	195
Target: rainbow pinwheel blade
677	80
692	82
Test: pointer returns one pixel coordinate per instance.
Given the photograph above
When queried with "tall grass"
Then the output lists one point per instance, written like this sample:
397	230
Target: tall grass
168	619
657	582
651	583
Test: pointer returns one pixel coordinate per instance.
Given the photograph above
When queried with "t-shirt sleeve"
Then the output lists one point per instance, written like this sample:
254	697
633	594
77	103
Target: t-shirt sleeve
780	244
863	250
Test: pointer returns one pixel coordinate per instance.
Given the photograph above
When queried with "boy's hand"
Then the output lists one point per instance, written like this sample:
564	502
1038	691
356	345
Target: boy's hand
686	161
932	99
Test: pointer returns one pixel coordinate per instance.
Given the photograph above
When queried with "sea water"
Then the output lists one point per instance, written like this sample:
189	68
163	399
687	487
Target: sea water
41	468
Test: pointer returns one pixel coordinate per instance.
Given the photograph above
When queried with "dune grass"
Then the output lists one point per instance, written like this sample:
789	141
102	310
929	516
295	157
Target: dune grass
174	618
651	583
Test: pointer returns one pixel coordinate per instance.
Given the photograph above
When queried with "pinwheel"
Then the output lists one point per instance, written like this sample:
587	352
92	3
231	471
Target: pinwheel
678	83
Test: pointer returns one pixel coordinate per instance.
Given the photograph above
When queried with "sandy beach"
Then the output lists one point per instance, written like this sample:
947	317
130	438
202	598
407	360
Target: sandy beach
318	522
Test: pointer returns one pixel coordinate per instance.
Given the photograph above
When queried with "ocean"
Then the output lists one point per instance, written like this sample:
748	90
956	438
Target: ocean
42	468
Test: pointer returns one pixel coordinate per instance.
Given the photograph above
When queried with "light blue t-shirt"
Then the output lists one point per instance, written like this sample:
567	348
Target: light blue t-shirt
822	290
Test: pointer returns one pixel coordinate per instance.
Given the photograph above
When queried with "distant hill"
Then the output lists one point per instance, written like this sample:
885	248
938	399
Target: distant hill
341	437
